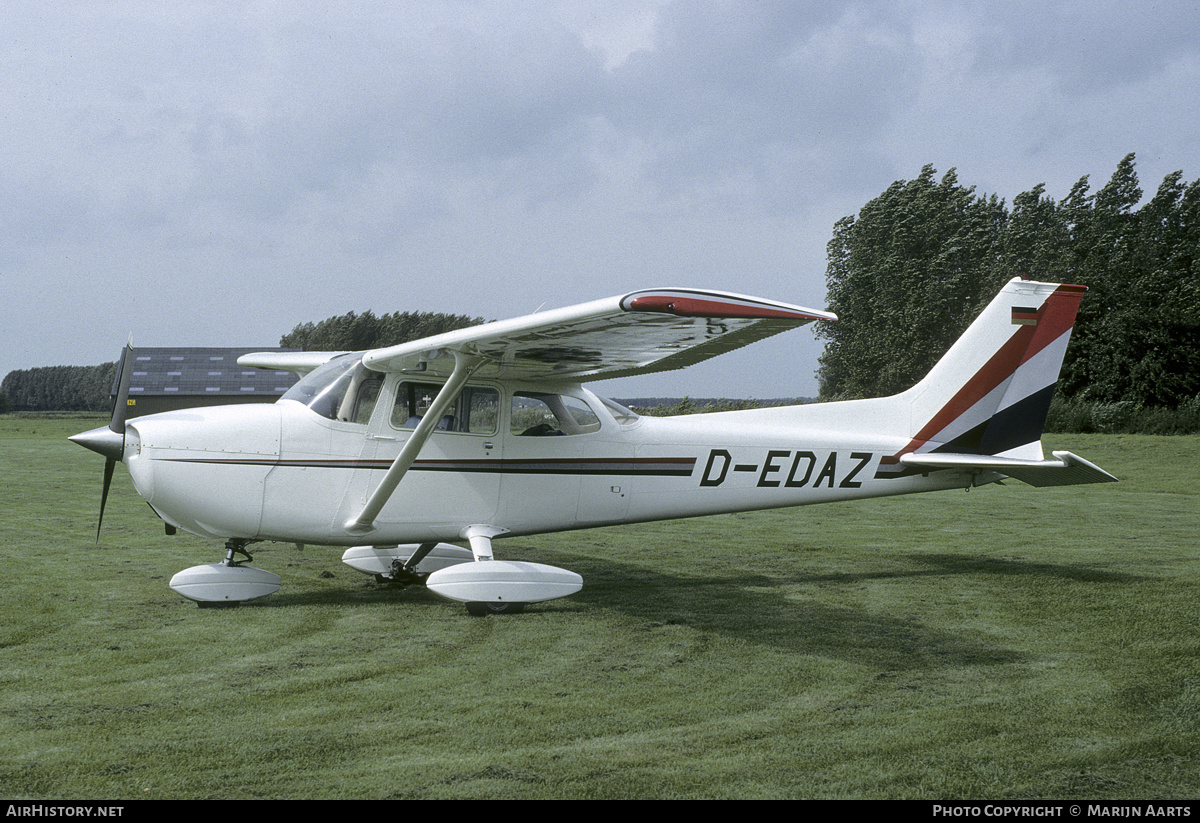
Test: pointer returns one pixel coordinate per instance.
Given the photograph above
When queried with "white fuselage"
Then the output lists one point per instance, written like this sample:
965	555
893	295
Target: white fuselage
283	472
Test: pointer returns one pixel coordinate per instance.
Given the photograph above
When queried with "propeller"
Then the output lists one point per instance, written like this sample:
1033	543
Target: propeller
110	440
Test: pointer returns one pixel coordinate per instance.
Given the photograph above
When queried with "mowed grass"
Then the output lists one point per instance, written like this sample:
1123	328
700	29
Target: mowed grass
1009	642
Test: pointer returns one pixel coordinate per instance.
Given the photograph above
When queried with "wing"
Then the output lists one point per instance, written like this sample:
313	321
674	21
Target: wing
638	333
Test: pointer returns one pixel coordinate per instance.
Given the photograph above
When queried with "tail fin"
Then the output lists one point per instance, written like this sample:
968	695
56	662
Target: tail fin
982	408
989	395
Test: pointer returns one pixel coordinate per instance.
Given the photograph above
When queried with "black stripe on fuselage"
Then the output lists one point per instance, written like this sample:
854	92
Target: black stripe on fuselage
648	466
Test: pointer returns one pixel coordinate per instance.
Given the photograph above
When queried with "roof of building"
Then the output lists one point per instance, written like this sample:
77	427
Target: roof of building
204	372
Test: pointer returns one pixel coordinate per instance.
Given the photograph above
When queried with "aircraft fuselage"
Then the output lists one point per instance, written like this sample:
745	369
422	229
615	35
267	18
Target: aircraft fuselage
282	472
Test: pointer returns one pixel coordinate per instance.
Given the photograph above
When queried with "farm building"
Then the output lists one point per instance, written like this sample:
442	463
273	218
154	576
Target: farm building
164	379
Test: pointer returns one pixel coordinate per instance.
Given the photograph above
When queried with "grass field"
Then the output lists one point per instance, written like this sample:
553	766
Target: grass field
1004	643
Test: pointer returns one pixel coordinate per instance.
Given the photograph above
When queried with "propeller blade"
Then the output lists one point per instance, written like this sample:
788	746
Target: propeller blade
121	400
109	465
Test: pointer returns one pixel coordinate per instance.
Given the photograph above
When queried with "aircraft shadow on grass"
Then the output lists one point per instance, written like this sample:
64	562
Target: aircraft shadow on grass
750	608
966	564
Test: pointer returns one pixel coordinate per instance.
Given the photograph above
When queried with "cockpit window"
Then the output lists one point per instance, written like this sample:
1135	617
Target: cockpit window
342	389
474	411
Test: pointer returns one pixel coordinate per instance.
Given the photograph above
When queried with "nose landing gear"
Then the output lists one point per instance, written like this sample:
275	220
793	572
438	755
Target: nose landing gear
226	583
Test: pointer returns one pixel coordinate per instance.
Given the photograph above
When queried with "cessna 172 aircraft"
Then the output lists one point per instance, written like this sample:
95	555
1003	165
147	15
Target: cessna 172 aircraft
489	431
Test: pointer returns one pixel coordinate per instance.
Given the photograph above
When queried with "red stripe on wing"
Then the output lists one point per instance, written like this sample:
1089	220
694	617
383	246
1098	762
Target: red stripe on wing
709	307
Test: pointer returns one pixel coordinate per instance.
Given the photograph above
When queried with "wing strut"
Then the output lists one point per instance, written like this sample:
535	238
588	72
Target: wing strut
464	365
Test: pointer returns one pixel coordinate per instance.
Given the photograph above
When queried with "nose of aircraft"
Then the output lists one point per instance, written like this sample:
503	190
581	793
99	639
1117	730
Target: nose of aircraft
103	441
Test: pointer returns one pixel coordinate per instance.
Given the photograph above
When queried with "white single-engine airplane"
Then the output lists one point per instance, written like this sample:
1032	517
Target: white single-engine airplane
488	431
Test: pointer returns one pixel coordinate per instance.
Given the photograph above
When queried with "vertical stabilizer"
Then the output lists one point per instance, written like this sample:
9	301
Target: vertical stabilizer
991	392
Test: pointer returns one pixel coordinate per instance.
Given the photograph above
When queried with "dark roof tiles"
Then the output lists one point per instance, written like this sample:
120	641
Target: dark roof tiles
203	371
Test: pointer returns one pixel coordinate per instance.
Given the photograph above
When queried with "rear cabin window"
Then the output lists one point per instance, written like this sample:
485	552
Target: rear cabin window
539	414
622	415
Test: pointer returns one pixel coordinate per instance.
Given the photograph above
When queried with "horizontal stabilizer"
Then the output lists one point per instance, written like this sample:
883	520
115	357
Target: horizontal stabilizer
1067	470
300	362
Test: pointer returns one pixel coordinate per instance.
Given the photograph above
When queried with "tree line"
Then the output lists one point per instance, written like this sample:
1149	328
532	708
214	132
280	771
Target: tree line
59	388
356	332
913	268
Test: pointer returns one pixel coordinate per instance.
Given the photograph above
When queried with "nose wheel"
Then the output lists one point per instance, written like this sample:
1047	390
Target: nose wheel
226	583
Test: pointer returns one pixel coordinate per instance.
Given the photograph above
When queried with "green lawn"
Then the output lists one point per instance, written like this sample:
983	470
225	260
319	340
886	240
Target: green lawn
1004	643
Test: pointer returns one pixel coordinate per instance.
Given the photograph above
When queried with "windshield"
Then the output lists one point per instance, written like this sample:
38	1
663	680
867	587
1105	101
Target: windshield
342	389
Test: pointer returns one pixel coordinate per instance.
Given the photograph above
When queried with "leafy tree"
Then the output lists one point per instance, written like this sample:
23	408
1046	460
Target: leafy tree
905	278
918	262
1036	241
1138	334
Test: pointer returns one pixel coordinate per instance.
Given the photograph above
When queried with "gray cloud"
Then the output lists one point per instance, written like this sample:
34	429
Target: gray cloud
203	172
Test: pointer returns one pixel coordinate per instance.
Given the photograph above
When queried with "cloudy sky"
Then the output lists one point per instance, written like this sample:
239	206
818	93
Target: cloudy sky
213	173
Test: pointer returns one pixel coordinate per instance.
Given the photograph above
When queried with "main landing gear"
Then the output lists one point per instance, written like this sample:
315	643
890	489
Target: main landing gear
470	576
414	564
415	571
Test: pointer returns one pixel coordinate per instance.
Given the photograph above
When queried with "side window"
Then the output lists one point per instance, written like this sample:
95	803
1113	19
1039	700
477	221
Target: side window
364	401
474	411
539	414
